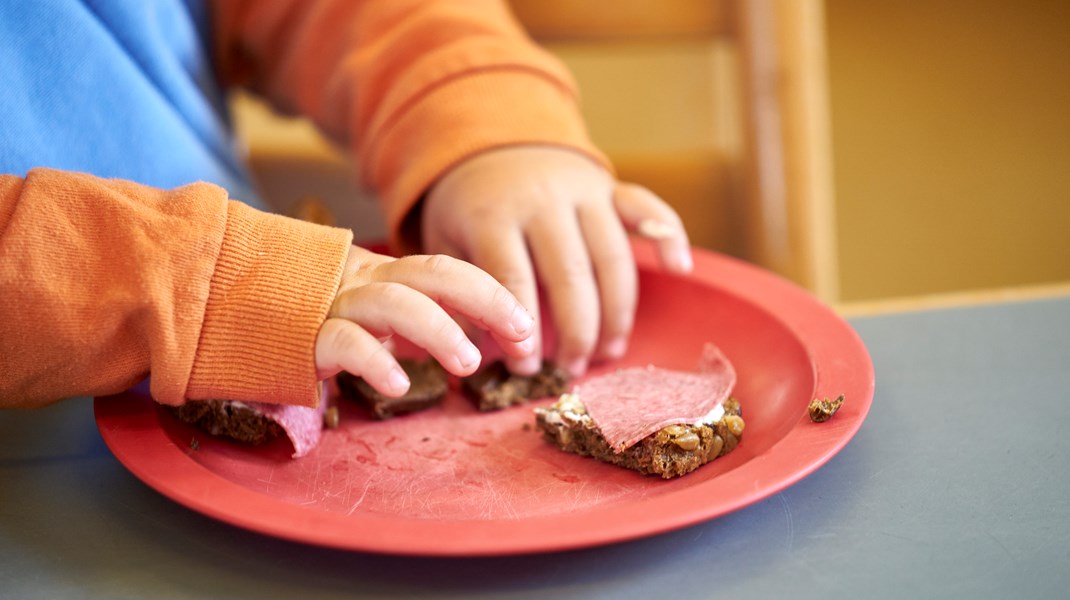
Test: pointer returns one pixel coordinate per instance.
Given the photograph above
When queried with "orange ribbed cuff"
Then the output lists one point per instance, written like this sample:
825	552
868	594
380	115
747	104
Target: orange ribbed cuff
478	111
273	285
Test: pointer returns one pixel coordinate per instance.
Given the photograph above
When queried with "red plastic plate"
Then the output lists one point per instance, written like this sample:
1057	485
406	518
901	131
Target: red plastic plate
452	481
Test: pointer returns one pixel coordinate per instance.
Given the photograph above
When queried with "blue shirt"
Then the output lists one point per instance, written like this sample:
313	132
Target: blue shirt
115	88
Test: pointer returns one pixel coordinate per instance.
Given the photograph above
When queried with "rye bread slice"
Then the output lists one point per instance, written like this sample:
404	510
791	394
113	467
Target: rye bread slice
428	386
234	420
495	388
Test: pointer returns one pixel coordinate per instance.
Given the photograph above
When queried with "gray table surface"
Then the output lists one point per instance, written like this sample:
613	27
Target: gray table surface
957	486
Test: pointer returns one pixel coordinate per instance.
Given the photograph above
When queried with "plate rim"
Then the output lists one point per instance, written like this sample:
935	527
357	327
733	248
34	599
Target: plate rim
839	359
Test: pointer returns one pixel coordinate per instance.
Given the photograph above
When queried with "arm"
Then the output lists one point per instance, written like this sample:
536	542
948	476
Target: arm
105	280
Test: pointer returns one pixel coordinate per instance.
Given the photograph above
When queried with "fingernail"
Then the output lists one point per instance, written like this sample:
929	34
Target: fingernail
685	261
615	348
575	367
468	355
398	381
681	262
523	323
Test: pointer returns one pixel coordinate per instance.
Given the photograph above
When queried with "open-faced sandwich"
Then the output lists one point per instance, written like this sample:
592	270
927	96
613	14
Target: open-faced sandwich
652	420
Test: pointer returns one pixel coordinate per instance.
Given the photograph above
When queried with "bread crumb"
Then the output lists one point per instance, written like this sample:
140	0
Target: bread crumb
821	410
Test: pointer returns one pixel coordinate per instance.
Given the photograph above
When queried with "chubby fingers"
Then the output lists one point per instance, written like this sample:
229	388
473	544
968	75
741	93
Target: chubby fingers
643	212
342	345
410	297
615	274
503	253
385	309
564	265
468	290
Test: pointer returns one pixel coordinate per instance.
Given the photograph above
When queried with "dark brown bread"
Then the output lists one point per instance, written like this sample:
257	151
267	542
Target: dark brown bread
229	419
495	388
428	387
670	452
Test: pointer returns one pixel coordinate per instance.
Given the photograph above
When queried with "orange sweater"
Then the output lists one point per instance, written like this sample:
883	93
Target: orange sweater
105	281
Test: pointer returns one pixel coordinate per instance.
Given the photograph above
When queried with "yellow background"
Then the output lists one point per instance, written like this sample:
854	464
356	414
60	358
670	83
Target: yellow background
951	144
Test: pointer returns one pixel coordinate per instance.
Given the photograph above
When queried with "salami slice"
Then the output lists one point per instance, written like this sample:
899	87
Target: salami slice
629	404
303	425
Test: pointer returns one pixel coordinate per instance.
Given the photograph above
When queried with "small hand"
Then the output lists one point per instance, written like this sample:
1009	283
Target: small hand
531	214
382	296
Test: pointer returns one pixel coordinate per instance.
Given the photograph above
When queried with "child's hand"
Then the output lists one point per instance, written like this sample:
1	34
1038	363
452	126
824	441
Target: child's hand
540	213
381	296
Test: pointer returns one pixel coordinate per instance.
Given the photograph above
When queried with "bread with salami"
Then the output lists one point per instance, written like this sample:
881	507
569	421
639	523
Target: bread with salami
256	423
652	420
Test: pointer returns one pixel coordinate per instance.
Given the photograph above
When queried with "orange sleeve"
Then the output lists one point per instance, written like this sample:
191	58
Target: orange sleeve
412	86
104	281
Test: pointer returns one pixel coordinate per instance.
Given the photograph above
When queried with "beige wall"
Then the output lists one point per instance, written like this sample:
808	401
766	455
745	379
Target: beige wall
951	143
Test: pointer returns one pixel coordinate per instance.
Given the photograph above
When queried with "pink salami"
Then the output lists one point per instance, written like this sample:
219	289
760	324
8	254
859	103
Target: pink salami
303	425
630	404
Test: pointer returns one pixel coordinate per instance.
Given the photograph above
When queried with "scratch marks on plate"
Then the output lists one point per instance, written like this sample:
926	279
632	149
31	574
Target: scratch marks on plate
267	482
360	500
